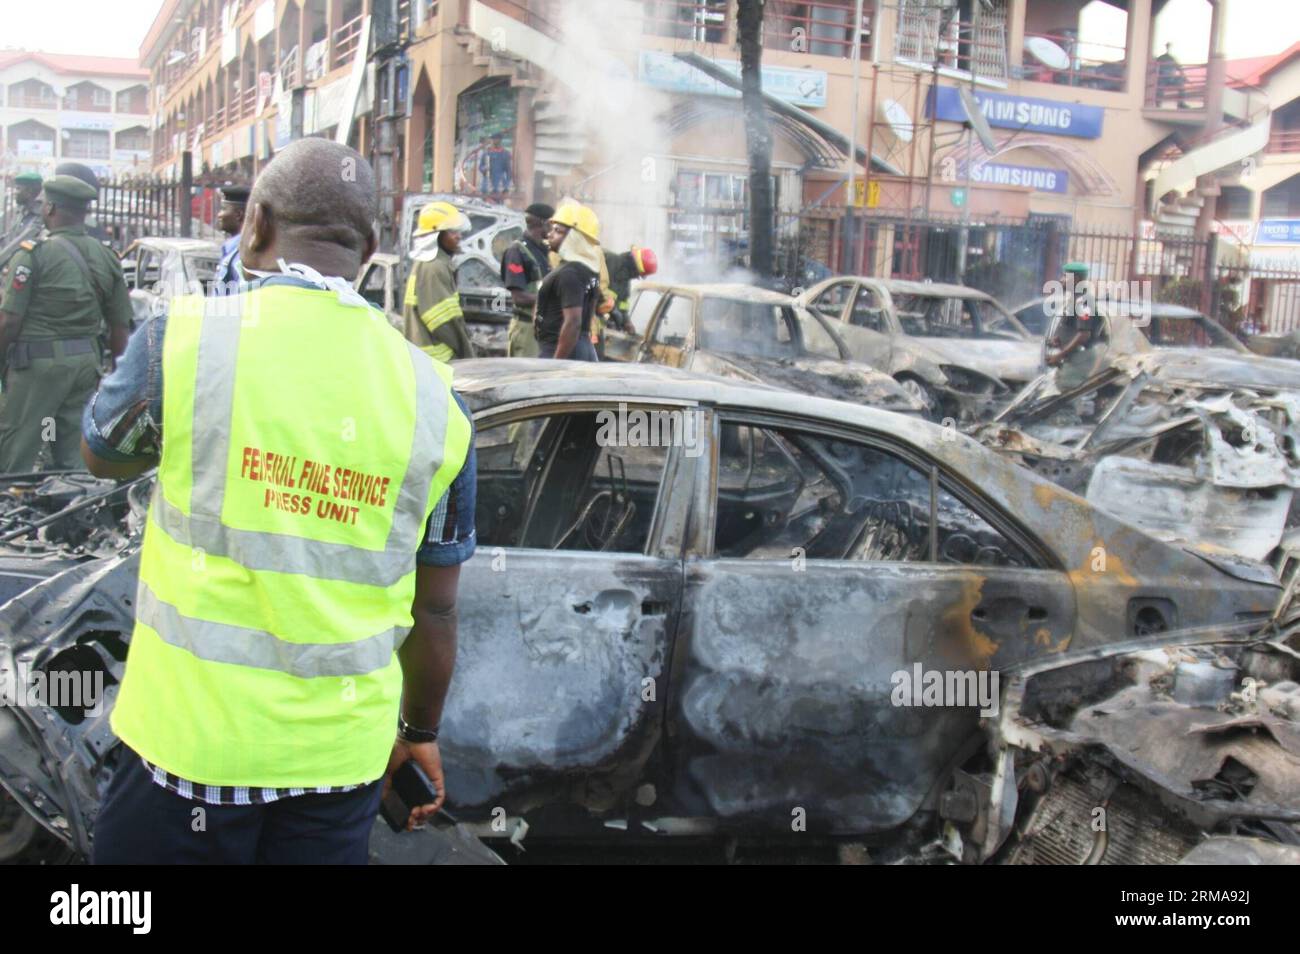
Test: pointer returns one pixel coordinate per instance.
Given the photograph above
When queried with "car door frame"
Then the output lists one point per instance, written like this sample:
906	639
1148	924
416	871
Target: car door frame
606	786
646	354
682	789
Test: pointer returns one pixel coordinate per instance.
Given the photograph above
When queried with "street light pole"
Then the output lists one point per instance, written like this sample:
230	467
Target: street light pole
850	218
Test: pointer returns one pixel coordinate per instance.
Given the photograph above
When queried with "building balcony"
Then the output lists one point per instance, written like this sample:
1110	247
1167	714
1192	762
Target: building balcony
346	38
957	47
1176	86
1060	59
1283	141
32	102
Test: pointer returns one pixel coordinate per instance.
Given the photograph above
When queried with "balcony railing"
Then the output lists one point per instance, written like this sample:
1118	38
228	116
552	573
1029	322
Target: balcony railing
1086	65
925	38
19	101
542	15
346	39
1283	140
291	69
823	29
1173	85
315	63
704	21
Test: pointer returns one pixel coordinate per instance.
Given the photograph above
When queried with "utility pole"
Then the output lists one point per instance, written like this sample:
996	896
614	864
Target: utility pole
963	234
850	217
758	136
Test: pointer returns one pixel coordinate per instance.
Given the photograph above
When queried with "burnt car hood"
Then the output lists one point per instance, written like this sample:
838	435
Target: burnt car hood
1013	361
842	380
57	763
1215	366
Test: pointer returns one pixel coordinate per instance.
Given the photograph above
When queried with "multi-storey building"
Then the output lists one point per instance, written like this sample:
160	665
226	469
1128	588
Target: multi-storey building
517	99
56	107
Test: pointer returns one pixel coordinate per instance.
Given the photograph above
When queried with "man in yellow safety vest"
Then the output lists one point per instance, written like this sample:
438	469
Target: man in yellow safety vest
296	614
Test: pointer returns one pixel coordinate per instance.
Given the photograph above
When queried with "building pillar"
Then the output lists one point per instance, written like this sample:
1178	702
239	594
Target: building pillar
1215	76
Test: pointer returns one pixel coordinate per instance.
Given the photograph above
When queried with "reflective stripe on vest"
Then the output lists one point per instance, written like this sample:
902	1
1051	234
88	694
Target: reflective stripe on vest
305	444
218	348
441	313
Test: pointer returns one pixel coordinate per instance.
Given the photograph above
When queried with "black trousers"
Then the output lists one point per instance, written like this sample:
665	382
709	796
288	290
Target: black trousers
141	822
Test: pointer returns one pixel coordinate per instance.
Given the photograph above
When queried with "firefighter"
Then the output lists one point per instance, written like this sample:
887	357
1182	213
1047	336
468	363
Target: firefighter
624	268
431	307
567	298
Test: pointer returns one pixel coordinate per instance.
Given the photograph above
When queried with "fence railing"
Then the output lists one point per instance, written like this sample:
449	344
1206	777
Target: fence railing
1176	85
1086	65
823	29
345	43
1283	140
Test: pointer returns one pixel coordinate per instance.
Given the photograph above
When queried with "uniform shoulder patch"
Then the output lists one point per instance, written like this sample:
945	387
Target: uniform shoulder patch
28	246
21	274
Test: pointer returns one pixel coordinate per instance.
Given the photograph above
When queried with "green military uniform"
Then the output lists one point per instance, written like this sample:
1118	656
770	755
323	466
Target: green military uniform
27	225
1080	315
431	310
52	367
521	342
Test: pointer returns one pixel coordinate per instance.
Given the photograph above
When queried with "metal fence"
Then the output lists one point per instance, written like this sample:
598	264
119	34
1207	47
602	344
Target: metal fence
1013	261
124	211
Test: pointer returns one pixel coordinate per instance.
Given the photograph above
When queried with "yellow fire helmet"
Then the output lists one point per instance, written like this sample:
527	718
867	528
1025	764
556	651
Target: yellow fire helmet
440	217
578	217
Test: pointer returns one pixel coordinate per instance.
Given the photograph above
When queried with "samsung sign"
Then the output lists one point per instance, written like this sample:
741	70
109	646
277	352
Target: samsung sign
1023	112
1038	178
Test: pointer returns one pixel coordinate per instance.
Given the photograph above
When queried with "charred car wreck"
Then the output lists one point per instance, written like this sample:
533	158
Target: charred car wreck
657	660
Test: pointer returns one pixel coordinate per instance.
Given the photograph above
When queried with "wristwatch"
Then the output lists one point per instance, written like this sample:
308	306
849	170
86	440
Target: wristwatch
409	733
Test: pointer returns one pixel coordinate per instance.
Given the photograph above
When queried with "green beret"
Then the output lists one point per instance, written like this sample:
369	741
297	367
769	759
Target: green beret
70	188
1076	268
34	178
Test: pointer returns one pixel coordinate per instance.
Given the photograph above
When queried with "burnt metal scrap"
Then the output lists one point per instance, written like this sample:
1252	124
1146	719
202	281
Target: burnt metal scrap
697	684
1199	462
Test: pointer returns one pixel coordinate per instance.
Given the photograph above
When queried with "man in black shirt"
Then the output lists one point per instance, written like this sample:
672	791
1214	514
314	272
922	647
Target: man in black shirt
567	297
523	266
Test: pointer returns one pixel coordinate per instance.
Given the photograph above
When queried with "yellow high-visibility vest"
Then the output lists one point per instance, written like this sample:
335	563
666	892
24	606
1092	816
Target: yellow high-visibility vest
305	444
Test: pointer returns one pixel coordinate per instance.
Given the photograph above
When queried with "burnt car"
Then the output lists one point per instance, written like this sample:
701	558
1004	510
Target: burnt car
749	334
1179	344
955	348
690	605
157	269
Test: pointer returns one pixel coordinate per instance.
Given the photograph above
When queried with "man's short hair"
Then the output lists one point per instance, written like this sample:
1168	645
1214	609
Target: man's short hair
321	190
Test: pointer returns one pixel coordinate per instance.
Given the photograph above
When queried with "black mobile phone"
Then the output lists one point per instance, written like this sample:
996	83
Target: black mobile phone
411	787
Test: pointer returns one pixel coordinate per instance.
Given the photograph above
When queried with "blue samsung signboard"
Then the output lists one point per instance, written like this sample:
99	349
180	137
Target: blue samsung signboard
1038	178
665	71
1278	232
1023	112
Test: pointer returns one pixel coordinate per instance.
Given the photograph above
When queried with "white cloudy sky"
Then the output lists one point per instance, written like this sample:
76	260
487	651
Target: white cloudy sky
116	27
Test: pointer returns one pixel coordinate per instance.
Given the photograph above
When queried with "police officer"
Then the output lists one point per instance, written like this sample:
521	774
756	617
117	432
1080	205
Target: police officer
523	266
27	223
234	200
1076	351
59	293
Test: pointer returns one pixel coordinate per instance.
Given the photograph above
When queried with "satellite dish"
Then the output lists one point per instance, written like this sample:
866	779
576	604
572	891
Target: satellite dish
899	119
978	124
1046	52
